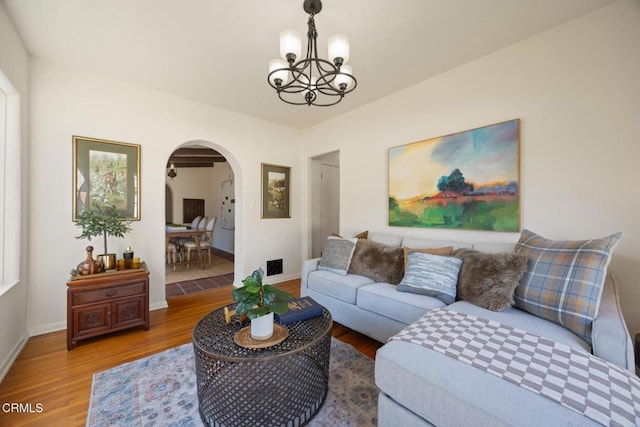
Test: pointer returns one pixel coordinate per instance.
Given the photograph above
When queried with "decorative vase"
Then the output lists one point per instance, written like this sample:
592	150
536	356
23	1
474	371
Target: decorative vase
262	327
90	265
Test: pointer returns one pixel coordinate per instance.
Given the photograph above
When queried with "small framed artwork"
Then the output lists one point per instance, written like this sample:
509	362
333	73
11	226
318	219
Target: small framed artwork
106	171
276	189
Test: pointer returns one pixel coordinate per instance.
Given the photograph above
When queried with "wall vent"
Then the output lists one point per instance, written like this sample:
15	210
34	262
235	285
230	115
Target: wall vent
274	267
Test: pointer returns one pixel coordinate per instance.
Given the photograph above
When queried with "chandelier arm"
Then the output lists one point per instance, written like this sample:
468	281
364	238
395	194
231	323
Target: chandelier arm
299	84
349	88
316	102
303	70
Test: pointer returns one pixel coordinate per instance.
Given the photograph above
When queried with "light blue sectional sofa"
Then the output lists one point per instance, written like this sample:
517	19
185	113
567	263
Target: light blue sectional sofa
421	387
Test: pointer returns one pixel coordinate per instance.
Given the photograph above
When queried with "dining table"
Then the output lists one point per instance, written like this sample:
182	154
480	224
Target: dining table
194	233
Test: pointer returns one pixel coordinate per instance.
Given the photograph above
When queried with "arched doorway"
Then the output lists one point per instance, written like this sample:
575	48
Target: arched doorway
198	173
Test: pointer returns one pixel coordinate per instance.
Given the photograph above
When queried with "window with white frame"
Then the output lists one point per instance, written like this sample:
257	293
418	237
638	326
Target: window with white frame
10	205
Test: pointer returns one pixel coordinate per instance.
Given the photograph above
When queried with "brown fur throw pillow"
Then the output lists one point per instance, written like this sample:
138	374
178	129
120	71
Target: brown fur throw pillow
489	280
378	262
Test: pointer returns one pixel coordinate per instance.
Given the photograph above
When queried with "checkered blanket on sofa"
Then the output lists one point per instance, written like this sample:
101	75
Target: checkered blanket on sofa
579	381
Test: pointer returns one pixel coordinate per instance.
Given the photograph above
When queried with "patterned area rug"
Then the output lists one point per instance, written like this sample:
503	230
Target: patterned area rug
218	267
160	390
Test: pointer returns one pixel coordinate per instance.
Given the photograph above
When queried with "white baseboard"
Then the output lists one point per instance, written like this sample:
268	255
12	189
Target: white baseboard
283	278
158	305
13	355
45	329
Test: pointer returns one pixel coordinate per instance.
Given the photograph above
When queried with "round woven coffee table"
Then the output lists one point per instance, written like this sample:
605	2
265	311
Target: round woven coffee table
283	385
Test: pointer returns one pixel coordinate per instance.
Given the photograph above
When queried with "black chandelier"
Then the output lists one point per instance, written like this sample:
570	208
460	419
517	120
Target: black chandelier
311	81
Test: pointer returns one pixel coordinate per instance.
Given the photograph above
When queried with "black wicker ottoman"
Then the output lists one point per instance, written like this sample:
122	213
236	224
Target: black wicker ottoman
282	385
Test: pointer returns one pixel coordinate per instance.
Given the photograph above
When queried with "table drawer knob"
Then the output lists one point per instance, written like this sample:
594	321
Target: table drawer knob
110	293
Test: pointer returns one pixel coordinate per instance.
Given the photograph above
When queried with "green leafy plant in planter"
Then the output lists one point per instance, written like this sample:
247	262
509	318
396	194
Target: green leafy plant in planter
103	219
257	299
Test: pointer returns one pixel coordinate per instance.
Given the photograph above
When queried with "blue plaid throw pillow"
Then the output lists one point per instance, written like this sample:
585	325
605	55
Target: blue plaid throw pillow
564	279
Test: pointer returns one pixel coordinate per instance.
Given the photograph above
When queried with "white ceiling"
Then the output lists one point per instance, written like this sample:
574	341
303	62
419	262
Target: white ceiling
218	51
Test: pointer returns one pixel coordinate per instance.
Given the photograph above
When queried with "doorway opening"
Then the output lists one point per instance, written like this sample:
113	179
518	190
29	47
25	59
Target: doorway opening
196	178
325	199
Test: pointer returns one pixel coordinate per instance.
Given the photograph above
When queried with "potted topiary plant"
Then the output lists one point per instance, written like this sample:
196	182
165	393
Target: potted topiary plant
260	302
103	219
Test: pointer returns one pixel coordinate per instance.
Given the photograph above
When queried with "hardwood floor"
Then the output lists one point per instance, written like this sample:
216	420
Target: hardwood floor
46	373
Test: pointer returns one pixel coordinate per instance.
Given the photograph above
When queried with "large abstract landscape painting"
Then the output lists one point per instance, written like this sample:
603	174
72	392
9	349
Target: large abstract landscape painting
468	180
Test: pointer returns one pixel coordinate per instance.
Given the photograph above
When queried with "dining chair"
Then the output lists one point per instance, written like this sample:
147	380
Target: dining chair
195	222
209	229
178	240
200	225
205	243
172	254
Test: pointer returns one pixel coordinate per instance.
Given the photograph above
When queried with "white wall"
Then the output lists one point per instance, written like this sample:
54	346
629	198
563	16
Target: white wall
576	89
66	101
14	63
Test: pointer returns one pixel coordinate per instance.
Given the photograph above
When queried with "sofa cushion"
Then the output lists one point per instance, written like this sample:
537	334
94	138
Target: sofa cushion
337	254
384	299
518	318
378	262
564	279
432	275
440	390
446	392
489	280
337	286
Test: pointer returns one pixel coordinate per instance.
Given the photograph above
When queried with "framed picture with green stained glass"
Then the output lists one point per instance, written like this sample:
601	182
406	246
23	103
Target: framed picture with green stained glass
106	171
468	180
276	189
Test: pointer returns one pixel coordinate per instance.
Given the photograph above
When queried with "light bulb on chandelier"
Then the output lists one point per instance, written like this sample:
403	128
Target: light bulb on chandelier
311	80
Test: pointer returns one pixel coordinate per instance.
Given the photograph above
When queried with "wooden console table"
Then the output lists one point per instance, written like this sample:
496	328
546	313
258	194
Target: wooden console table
99	304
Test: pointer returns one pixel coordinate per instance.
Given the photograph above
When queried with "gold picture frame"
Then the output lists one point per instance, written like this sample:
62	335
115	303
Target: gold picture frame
106	171
276	190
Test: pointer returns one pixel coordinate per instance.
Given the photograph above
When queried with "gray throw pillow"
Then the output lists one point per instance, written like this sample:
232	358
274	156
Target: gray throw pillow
378	262
432	275
336	255
489	280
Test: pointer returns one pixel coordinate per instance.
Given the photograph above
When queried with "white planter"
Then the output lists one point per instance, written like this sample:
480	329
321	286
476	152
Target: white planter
262	327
